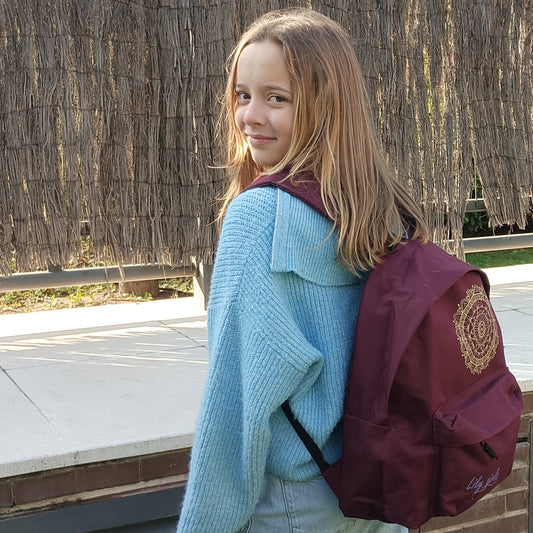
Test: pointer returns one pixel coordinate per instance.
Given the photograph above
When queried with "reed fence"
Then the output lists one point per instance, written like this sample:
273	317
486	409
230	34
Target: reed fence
108	111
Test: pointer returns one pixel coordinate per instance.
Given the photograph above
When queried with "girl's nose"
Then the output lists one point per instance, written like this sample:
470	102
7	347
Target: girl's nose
254	113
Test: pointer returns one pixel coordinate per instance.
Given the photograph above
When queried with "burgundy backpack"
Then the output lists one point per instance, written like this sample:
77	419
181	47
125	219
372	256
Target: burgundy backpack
431	412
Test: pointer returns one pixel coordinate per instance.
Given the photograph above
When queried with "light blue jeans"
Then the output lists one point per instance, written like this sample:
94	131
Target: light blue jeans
306	507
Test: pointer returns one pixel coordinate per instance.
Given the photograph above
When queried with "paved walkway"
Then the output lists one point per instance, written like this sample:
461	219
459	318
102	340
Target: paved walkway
93	384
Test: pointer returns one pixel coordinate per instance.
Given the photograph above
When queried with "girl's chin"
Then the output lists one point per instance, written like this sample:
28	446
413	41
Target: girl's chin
264	162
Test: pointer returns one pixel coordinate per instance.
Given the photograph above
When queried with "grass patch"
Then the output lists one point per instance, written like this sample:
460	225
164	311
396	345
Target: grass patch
86	296
500	258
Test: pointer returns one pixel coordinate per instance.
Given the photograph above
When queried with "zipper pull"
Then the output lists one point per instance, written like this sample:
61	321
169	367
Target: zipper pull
488	449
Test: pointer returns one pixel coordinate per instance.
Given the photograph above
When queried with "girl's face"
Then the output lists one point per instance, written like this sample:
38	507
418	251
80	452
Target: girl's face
264	102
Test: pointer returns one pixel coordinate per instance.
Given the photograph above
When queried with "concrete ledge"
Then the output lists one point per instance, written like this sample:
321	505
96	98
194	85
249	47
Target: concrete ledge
510	275
42	463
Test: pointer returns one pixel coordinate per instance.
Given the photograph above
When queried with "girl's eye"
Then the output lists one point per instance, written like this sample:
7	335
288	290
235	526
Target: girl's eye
241	96
277	99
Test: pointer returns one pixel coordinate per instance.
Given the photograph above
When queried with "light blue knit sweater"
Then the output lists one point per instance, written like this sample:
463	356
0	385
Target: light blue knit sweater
282	315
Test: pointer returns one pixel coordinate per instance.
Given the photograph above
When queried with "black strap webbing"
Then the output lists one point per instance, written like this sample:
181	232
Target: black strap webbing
307	440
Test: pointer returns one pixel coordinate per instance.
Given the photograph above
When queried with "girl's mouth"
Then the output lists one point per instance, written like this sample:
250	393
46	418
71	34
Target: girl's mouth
259	140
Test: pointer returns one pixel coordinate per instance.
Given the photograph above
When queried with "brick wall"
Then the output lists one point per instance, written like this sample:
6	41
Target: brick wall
506	508
60	488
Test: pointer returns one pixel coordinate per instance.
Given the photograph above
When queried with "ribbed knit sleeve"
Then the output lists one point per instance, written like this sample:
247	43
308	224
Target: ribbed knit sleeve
259	356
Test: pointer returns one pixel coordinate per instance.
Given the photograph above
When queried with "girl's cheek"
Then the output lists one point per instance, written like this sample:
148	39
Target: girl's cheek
237	117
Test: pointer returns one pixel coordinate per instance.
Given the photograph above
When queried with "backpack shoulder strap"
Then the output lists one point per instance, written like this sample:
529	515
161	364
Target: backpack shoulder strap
304	186
306	439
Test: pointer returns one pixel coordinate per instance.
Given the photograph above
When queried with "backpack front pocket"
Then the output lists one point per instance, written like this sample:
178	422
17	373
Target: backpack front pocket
475	452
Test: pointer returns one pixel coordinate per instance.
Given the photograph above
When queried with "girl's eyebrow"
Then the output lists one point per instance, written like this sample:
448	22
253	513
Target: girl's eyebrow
275	87
269	87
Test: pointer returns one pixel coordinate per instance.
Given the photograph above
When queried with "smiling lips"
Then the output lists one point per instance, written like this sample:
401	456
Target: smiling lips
259	140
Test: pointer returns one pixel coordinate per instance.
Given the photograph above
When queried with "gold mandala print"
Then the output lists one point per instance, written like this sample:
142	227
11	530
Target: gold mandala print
476	329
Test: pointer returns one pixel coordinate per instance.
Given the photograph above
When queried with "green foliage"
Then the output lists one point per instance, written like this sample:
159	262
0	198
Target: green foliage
475	222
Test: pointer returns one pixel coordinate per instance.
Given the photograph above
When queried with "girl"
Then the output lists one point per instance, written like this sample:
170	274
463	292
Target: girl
287	285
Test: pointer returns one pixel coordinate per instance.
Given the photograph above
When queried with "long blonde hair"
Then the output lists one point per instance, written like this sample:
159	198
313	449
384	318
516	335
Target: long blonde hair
333	136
